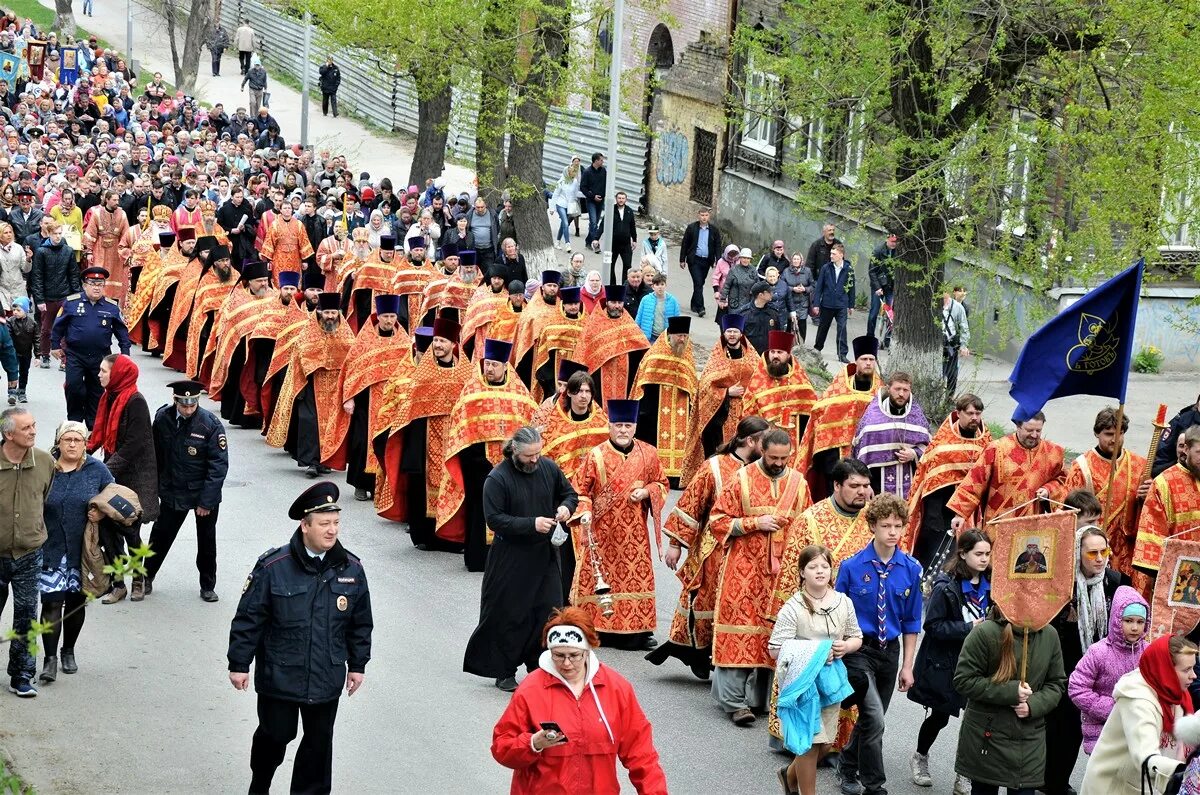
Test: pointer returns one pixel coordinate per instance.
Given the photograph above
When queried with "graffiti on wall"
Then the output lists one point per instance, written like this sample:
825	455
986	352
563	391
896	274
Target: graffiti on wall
672	158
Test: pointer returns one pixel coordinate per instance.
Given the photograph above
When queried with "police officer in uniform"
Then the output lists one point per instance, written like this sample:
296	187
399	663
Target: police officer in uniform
86	325
191	449
305	621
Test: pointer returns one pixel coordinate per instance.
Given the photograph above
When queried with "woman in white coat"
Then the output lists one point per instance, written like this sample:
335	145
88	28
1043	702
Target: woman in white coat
566	198
1141	727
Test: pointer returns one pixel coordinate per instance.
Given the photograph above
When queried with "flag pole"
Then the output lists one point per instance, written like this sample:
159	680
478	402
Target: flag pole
1116	461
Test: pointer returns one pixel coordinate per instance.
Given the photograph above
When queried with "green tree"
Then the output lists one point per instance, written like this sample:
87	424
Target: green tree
1053	136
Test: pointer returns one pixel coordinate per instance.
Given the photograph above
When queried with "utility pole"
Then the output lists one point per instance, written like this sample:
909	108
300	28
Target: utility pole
129	35
304	79
614	117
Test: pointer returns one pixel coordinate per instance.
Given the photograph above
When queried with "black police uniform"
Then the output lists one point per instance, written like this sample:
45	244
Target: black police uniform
305	621
84	331
193	458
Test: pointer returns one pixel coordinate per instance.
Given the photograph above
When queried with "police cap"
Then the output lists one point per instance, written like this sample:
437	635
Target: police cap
187	393
319	498
95	272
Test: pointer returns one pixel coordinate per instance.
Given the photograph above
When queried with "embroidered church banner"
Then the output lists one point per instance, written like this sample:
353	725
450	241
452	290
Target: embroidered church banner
1176	607
1033	565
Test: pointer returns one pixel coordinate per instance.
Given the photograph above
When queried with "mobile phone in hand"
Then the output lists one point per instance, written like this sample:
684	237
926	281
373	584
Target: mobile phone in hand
551	726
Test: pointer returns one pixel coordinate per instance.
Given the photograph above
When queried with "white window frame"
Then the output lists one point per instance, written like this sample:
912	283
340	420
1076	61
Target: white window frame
856	138
760	123
807	151
1015	201
1179	233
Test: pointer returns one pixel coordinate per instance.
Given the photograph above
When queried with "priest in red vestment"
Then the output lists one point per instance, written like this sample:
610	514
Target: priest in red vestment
611	345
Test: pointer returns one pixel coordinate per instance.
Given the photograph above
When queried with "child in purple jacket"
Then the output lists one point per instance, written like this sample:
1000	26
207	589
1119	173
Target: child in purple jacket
1107	660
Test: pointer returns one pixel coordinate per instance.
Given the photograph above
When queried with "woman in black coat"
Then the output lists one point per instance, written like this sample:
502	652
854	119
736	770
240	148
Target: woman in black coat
123	430
960	599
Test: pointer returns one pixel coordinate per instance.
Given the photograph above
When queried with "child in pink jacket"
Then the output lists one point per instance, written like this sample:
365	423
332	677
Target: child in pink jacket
1107	660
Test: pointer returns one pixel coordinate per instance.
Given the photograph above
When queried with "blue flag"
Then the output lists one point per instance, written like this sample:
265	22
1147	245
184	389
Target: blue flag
1084	350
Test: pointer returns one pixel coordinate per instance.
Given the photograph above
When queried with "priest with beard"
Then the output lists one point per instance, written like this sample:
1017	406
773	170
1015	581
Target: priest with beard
779	391
556	341
378	352
280	322
176	260
892	436
309	398
526	501
666	386
238	318
214	289
493	404
612	346
368	279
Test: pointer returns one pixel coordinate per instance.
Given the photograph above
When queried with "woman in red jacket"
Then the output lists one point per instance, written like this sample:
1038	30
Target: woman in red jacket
595	715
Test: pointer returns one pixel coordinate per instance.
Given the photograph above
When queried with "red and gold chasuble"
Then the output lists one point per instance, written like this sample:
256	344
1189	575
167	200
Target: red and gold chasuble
558	338
174	266
567	441
374	275
332	254
183	217
410	282
446	293
211	295
181	315
621	531
536	315
371	362
394	394
675	377
431	395
105	237
947	459
286	245
742	616
688	524
720	373
487	414
238	319
1006	475
1172	506
1091	471
785	402
319	356
489	317
604	347
835	418
137	307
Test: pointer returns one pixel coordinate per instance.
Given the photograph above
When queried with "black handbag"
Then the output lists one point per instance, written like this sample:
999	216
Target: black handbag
1174	783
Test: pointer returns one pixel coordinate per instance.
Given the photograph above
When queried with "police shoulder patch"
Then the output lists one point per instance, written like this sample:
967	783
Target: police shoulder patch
246	586
222	442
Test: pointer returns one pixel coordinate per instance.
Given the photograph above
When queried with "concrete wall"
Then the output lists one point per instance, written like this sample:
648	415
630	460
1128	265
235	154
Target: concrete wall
1167	317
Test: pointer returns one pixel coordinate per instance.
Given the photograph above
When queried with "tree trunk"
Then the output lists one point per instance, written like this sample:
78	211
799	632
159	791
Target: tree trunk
64	18
433	127
186	64
490	168
532	112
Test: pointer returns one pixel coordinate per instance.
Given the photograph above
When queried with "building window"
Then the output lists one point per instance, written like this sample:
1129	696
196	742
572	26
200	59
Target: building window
603	57
760	125
805	142
856	136
704	165
1015	199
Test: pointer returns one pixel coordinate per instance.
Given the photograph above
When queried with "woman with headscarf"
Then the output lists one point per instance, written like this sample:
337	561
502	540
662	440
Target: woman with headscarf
570	720
1139	734
123	431
376	228
14	268
1080	624
592	293
77	478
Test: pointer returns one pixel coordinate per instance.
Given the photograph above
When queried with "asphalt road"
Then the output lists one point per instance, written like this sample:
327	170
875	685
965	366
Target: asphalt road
152	711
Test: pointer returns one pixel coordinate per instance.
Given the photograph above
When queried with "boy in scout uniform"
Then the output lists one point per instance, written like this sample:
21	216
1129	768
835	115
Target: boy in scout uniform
305	621
193	457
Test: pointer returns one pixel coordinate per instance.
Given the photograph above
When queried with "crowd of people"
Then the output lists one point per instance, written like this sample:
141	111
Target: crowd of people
535	424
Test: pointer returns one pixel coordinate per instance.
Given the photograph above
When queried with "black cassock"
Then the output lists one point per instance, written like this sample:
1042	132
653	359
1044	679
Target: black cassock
521	583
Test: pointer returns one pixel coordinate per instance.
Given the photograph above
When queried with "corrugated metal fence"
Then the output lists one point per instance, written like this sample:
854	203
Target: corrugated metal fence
374	91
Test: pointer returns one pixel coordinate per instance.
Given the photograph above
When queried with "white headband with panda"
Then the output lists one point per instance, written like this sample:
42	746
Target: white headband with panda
567	635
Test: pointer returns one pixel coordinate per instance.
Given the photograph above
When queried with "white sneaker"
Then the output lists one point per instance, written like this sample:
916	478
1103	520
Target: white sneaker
918	766
962	785
568	248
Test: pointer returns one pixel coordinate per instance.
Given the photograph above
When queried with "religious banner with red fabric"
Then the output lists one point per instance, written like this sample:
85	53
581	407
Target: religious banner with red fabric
1033	567
35	58
567	441
320	356
211	294
742	618
1093	471
487	414
558	338
431	396
720	373
1172	507
620	527
786	402
947	460
1176	605
688	525
371	362
605	347
1006	476
835	417
666	419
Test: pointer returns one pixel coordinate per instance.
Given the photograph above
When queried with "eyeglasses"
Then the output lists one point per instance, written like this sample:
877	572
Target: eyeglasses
94	282
574	657
1098	554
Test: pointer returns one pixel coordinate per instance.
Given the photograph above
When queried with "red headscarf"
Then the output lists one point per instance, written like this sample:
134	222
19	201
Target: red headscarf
1158	669
122	384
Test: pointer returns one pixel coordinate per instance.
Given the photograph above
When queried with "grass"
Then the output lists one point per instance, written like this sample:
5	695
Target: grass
12	784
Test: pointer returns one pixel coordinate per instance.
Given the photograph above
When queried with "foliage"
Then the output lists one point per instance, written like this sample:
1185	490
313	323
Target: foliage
1044	132
12	784
997	430
122	567
1148	359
